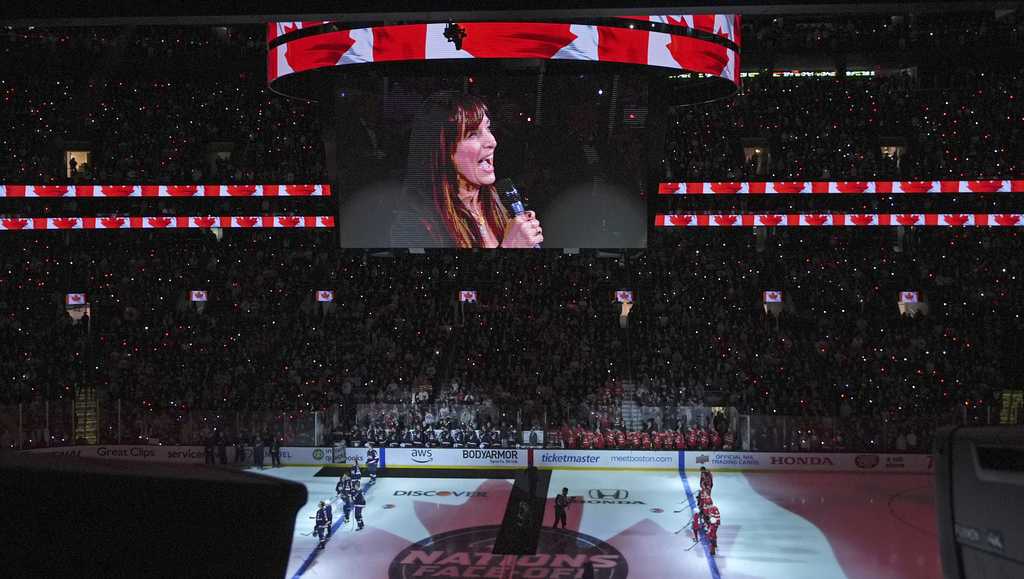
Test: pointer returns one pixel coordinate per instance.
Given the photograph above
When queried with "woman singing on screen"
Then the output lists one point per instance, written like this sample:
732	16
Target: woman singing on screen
451	200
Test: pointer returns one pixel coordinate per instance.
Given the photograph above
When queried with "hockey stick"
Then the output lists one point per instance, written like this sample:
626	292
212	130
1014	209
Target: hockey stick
695	543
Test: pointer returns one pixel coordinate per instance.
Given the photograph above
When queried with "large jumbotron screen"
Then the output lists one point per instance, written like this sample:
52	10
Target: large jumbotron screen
496	134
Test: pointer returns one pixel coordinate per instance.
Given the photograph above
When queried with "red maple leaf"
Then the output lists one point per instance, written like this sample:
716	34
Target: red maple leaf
246	221
205	221
118	190
51	190
907	219
300	190
852	186
291	221
515	39
817	220
861	219
789	187
771	220
680	219
725	220
241	190
318	50
727	188
65	222
327	220
182	190
695	54
955	219
773	296
15	223
159	221
916	186
1007	219
112	222
984	186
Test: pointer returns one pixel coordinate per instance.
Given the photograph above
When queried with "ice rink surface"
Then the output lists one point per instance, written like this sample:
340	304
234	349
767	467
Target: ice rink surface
784	525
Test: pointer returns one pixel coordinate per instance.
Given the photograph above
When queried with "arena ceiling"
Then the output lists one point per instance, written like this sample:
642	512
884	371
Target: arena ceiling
192	12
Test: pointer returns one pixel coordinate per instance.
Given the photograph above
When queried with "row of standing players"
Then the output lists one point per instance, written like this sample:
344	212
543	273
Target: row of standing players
351	492
706	518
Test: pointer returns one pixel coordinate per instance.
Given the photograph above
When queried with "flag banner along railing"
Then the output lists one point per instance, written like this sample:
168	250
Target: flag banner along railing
841	220
166	222
843	187
182	191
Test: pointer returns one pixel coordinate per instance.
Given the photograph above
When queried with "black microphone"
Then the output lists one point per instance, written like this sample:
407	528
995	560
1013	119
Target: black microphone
509	193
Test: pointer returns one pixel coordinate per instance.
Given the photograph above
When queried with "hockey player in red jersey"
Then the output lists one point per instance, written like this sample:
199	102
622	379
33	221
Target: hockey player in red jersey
712	518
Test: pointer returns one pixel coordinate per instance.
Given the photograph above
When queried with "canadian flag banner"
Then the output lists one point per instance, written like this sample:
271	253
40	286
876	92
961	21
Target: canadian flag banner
840	220
325	296
166	222
467	296
624	296
773	297
197	295
703	43
908	297
42	191
74	299
842	187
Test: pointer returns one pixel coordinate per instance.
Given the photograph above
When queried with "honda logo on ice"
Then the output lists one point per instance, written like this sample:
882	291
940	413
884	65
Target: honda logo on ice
605	494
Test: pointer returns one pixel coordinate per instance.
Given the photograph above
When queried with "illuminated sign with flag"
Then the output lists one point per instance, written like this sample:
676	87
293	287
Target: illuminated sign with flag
197	295
325	296
467	296
909	297
624	296
75	299
773	297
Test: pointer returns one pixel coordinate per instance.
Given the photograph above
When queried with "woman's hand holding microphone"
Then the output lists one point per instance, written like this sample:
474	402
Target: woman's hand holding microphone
523	232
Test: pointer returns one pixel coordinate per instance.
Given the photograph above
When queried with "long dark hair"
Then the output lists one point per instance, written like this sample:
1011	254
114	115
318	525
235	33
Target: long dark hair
447	117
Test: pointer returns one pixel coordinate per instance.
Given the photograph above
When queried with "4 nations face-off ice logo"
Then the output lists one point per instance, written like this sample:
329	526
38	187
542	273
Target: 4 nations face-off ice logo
469	553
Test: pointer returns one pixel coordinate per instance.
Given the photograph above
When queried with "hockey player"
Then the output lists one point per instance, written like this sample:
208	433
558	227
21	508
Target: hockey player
358	502
706	480
712	518
321	527
330	517
372	459
354	473
344	488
